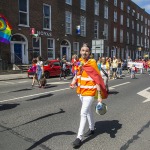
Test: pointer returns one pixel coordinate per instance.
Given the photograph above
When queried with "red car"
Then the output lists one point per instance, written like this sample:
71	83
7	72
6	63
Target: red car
51	68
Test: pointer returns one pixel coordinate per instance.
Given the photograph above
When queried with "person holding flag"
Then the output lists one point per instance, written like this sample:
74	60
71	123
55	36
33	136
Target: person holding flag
89	82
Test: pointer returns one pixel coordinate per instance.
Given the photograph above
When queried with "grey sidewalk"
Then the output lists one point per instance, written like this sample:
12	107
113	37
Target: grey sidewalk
5	77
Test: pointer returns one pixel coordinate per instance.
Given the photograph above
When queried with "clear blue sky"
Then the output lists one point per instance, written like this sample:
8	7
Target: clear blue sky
143	4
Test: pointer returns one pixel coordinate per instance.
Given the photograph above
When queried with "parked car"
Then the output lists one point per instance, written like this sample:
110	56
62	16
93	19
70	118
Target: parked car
51	68
124	65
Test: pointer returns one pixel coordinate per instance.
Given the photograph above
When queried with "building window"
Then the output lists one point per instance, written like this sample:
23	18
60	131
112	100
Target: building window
96	29
121	19
138	41
133	12
105	31
115	34
36	47
132	24
141	41
145	20
141	18
115	16
83	4
128	9
128	38
24	12
69	2
105	12
122	5
50	49
138	15
132	39
121	36
46	16
128	22
83	25
138	27
145	31
148	32
141	29
76	48
96	3
68	22
115	2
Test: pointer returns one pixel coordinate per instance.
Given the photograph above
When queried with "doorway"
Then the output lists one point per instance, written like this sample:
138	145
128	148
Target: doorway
18	53
66	50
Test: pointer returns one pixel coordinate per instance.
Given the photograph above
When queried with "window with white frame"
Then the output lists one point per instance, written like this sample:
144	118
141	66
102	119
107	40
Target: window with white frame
128	22
115	16
115	2
50	48
46	16
96	29
105	31
69	2
138	26
105	12
68	22
121	36
122	5
141	17
36	47
148	32
141	41
83	25
96	10
76	48
128	38
145	20
145	31
148	43
148	22
141	29
132	39
121	19
138	15
132	24
128	9
133	12
145	43
24	12
83	4
115	34
138	41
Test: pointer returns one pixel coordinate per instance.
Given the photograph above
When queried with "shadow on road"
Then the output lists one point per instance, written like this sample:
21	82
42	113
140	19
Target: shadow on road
113	92
42	117
22	90
40	97
7	106
109	127
47	137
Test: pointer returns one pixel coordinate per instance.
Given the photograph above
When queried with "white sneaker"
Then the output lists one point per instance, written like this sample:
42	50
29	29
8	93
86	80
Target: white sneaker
65	79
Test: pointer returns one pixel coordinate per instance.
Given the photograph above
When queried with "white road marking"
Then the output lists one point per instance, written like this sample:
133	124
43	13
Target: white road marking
144	93
112	87
33	95
52	92
7	82
57	83
22	82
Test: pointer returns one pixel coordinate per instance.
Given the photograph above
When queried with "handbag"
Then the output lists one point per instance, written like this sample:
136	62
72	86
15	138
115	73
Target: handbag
106	74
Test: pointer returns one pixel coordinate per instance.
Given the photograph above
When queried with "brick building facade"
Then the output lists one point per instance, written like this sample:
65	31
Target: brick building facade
124	27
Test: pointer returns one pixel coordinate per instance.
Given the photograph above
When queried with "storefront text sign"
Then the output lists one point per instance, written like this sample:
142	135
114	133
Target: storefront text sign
44	33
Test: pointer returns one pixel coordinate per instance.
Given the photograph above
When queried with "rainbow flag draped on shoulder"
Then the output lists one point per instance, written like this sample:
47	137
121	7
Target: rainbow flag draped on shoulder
5	30
92	70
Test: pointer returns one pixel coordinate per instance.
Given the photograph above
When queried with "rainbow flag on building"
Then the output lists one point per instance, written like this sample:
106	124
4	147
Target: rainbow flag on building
5	30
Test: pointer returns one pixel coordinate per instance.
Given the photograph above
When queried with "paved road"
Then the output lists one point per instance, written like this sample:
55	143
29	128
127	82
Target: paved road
44	119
